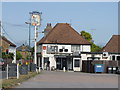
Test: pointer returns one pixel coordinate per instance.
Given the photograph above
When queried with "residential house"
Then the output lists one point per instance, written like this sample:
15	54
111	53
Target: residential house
111	51
24	51
7	44
61	47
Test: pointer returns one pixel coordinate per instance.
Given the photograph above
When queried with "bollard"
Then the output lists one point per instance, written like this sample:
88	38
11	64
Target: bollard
36	70
7	71
17	71
39	69
63	69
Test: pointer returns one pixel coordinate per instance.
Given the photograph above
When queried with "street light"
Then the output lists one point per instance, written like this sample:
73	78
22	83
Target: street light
29	39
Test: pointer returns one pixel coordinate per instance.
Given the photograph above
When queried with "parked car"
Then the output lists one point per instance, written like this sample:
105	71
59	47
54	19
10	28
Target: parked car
118	70
1	63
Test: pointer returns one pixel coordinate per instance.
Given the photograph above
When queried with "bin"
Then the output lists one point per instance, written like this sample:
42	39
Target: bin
32	67
99	68
23	69
110	69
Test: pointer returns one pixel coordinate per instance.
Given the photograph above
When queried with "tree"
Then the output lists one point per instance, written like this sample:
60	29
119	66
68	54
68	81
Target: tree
8	56
88	37
18	55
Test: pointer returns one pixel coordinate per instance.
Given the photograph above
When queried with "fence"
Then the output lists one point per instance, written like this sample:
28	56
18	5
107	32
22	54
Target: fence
88	65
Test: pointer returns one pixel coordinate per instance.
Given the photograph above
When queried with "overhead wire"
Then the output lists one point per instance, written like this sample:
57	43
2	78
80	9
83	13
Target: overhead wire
8	35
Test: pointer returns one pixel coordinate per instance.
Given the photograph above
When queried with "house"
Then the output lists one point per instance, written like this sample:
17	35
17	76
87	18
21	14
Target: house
7	44
113	48
111	51
24	51
61	47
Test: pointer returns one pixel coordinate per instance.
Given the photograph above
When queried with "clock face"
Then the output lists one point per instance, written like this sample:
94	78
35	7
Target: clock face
35	20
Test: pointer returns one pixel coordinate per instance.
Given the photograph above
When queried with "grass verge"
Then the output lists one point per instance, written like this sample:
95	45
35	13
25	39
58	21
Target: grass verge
14	81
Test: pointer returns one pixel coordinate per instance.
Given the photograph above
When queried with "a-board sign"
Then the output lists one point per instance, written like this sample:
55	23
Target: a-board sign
12	70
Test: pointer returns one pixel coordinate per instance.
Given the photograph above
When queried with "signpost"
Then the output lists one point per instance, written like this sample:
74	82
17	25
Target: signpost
35	21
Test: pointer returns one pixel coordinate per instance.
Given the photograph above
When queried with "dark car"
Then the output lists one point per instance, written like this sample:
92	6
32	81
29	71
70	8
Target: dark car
118	70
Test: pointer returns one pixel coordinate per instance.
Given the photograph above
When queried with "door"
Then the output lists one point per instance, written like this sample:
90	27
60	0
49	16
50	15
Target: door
64	63
76	64
58	63
61	63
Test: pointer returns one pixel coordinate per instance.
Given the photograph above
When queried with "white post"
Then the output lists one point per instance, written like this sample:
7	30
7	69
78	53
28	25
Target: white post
39	64
17	71
7	71
35	49
35	56
63	69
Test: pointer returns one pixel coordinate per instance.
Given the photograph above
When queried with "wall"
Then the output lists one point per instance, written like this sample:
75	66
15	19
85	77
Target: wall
86	48
13	50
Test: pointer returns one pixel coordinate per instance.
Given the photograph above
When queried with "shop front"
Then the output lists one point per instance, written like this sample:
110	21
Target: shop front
70	63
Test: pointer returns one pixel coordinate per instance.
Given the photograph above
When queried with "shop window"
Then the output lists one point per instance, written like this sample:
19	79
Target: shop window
77	63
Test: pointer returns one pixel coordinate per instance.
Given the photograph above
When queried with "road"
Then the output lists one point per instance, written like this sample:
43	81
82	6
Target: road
54	79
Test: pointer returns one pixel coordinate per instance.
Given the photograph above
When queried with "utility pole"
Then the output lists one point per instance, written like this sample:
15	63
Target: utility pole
0	40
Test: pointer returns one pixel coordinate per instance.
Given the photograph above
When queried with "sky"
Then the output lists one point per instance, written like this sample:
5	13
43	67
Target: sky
98	18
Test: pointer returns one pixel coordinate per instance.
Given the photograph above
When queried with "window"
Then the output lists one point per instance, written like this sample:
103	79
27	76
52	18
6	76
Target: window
60	50
66	50
77	63
75	48
52	49
113	57
118	57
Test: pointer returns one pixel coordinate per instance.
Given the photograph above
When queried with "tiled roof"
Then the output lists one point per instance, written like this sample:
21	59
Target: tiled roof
113	45
9	42
23	48
63	33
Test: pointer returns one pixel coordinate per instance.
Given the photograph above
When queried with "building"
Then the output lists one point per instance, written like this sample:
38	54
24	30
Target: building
113	48
7	44
111	51
61	47
24	51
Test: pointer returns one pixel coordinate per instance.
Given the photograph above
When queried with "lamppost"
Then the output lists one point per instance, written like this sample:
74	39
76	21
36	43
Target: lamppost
29	40
35	21
0	40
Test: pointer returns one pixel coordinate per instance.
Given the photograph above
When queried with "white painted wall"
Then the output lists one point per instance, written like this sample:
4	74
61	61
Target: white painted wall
83	48
84	56
13	50
86	48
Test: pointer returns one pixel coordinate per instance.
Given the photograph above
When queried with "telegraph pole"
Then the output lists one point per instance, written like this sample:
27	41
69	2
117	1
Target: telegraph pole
0	40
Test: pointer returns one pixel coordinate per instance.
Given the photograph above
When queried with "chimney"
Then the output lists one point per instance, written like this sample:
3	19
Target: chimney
47	29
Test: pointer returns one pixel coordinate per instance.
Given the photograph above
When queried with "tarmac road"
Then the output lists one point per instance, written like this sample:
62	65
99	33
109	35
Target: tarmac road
48	79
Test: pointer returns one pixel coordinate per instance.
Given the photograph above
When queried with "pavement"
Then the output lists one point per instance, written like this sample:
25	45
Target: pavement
53	79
